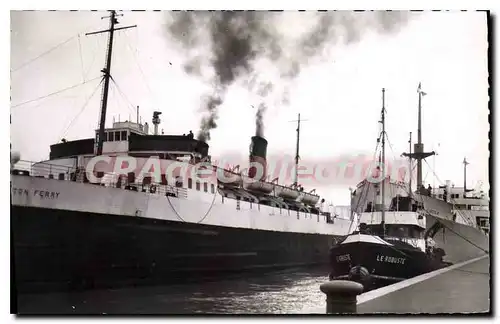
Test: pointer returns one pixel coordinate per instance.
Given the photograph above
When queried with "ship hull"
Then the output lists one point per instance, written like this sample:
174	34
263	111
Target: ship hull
55	249
459	241
374	263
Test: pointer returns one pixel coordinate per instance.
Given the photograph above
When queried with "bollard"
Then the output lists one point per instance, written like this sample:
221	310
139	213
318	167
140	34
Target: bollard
341	296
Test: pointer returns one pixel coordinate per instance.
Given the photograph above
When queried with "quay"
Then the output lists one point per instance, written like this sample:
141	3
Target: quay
460	288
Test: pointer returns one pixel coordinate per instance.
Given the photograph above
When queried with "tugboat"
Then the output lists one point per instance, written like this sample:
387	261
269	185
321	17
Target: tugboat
411	234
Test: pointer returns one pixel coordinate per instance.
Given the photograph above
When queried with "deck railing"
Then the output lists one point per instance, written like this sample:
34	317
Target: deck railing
144	184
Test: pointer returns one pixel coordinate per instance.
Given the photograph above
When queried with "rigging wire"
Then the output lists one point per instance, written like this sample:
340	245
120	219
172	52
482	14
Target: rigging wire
137	62
390	146
467	219
445	226
81	109
136	59
81	57
43	54
51	49
54	93
119	100
130	106
116	100
98	40
461	212
365	192
458	234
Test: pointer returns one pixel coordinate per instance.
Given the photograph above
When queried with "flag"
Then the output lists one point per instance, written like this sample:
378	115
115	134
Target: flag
419	90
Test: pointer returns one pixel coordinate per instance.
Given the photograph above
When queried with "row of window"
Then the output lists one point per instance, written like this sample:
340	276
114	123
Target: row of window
198	186
466	207
452	196
115	136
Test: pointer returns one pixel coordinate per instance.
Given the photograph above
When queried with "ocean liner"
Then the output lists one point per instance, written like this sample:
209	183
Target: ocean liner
73	229
402	233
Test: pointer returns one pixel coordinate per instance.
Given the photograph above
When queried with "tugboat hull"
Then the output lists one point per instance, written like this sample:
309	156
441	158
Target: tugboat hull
375	262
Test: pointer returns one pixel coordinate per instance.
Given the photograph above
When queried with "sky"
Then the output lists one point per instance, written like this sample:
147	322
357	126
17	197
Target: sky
338	93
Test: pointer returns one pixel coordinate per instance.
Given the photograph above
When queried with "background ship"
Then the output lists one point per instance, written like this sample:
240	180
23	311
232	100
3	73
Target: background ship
70	232
403	233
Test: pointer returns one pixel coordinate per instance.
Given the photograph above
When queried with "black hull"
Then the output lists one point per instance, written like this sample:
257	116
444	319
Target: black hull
376	265
384	264
61	250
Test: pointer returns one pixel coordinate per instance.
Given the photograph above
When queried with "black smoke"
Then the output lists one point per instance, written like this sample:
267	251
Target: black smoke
263	90
344	27
259	119
236	39
209	121
230	43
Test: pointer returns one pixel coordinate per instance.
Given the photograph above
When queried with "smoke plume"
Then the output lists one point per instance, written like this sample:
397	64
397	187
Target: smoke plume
259	123
209	122
345	27
236	38
263	90
222	47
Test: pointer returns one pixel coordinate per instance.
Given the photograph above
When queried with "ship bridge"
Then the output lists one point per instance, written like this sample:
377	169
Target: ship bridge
130	138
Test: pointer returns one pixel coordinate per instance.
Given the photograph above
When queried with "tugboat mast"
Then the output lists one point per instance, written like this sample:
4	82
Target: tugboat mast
383	161
409	180
106	76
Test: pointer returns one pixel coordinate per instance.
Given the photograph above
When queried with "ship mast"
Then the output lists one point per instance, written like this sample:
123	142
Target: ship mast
418	148
465	175
106	76
297	156
296	175
383	161
410	193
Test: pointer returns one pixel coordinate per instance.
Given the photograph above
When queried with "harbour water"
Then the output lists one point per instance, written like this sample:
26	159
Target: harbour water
279	292
294	291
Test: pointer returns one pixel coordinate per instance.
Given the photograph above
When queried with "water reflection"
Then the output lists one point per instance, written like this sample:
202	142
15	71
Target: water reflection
290	291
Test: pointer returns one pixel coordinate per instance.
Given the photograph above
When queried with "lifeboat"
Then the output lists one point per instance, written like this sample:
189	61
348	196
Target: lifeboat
286	192
260	186
310	199
229	178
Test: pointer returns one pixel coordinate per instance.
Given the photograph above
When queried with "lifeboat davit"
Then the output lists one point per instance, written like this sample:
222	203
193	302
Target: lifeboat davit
286	192
310	199
260	186
229	178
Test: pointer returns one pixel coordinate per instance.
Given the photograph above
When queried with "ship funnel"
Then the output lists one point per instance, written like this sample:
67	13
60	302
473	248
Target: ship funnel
146	128
258	152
